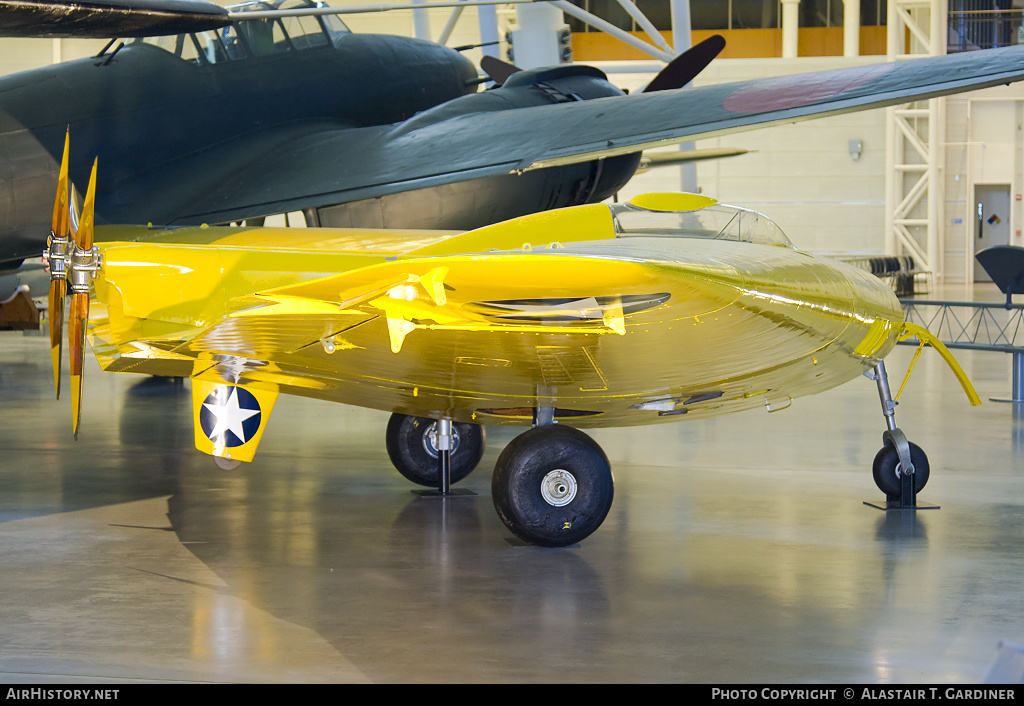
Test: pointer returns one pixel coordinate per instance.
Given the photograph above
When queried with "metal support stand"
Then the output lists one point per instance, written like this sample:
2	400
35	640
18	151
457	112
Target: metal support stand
443	443
894	436
444	456
1017	389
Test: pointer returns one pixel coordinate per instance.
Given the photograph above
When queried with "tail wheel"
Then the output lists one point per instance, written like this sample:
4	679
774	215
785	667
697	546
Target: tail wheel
412	448
552	486
887	462
226	464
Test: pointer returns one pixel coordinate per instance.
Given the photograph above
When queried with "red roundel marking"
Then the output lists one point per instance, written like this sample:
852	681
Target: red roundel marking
792	92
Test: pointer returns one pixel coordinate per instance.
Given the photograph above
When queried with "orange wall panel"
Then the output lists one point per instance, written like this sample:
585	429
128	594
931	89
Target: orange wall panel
739	43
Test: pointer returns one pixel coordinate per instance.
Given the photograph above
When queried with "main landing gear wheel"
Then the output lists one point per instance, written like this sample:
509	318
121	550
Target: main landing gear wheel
886	466
412	448
552	486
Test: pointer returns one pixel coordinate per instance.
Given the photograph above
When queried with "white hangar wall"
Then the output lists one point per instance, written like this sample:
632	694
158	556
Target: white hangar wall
984	146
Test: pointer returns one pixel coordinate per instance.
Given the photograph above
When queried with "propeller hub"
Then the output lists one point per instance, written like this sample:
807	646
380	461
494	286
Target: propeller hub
56	256
82	266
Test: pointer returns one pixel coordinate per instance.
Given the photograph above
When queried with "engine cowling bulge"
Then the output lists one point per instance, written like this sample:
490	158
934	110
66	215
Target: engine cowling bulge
574	82
532	87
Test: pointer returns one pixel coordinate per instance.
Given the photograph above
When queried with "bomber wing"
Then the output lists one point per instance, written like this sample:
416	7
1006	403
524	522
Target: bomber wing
329	164
102	19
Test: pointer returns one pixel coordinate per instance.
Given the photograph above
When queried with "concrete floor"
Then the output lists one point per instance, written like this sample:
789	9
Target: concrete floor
738	549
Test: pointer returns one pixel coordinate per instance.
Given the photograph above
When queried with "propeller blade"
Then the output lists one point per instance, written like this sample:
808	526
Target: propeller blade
497	70
77	318
58	248
73	209
58	292
83	262
59	223
86	225
685	67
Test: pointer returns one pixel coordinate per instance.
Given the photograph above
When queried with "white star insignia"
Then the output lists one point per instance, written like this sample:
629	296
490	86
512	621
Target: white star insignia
229	417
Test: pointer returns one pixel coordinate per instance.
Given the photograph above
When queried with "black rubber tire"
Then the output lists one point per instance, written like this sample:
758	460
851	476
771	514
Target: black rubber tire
522	467
884	469
406	449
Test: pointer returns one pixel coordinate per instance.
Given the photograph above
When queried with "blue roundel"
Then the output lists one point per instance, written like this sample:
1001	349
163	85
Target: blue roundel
230	416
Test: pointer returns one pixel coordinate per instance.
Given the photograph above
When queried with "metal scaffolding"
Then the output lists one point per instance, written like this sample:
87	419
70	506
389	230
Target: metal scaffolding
914	142
983	326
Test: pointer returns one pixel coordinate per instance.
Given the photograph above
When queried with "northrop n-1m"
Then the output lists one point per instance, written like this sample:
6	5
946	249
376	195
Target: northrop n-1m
669	307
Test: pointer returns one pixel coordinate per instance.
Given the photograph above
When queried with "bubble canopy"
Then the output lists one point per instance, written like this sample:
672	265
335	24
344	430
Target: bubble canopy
693	216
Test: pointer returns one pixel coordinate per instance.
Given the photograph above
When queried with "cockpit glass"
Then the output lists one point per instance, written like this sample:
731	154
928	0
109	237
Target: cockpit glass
264	37
317	30
334	25
717	221
183	46
233	48
211	46
304	32
260	37
220	45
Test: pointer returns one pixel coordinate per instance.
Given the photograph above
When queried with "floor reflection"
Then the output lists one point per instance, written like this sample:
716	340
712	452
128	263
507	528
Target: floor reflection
738	549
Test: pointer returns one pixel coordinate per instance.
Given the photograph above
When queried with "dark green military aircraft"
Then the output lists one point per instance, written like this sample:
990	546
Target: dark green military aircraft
240	115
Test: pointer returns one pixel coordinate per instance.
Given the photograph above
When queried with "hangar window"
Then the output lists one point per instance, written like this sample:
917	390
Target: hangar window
727	14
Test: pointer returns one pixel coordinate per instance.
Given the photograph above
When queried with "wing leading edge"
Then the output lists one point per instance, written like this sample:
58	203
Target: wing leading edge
102	19
337	164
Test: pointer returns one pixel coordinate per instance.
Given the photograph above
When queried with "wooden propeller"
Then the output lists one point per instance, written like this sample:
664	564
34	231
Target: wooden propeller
83	264
57	250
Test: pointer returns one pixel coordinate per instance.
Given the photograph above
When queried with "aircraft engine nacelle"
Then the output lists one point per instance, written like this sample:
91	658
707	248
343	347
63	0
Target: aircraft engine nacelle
478	202
562	84
531	87
512	195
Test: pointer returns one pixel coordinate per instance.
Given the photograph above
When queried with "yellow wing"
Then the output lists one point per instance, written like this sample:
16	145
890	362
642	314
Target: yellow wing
630	314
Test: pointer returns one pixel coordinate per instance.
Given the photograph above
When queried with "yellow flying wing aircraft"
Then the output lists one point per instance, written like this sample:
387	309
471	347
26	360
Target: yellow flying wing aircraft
669	307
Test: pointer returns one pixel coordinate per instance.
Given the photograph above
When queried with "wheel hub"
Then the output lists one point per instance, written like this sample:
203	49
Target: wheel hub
558	488
430	440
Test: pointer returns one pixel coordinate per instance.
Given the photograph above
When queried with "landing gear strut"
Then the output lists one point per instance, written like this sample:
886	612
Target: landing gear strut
900	468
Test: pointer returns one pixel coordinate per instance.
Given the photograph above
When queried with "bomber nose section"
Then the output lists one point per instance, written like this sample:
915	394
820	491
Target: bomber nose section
398	77
440	69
